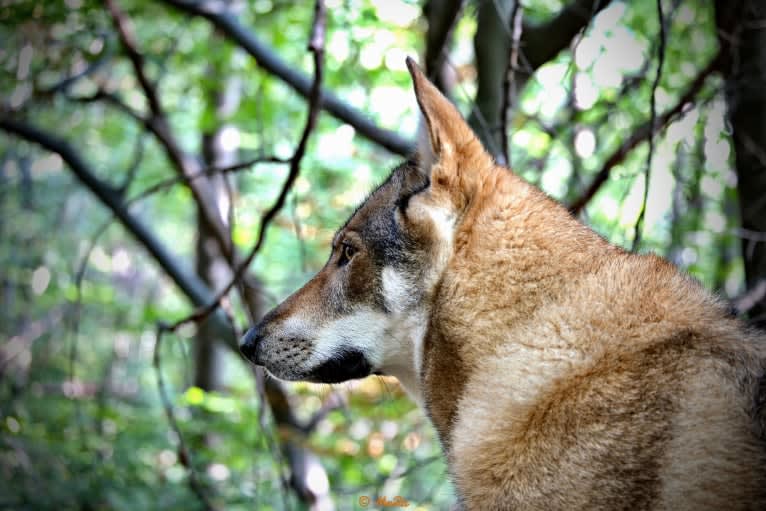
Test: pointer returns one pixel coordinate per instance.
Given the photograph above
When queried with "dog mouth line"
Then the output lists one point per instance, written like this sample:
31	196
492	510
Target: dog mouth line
347	365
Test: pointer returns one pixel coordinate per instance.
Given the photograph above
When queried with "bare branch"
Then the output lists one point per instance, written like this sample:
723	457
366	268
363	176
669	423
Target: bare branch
642	133
270	62
316	46
381	480
167	183
189	169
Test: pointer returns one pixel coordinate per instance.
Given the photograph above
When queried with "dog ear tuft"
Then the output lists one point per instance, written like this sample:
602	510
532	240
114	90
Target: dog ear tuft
446	129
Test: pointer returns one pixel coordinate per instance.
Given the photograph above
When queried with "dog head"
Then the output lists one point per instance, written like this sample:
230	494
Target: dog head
367	309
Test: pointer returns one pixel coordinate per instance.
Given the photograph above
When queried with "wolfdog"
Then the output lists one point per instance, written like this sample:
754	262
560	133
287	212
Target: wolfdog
560	372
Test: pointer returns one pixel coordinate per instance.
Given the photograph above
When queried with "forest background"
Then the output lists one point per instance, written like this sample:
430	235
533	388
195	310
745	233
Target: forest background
171	169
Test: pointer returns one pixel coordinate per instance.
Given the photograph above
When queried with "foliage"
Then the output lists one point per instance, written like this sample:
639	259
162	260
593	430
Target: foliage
82	423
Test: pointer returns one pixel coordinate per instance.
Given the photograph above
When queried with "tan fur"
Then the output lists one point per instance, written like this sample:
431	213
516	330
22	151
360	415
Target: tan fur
560	372
564	373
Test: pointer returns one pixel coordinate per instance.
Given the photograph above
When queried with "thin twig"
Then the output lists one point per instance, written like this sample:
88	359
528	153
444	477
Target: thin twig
73	328
138	156
126	33
509	83
66	83
263	386
211	171
185	453
483	123
637	228
114	100
576	116
155	188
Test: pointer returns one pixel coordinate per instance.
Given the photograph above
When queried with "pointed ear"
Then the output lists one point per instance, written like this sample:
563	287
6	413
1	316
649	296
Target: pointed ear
446	129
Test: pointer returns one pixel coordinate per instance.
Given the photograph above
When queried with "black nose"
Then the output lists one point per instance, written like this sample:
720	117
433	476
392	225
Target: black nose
248	345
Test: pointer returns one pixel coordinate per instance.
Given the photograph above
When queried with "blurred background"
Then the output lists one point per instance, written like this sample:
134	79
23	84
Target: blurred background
156	197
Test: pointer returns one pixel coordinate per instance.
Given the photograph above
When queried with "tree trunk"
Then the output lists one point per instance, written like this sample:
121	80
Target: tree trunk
742	36
492	44
219	149
441	16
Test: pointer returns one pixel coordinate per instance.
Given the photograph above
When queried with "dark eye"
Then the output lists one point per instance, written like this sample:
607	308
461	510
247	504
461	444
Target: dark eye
346	253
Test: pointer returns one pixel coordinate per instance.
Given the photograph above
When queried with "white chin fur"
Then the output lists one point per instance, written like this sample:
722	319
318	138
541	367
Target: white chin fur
391	342
361	330
406	328
398	293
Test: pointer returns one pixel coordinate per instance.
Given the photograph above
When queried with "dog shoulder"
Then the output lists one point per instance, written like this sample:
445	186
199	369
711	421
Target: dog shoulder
643	429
